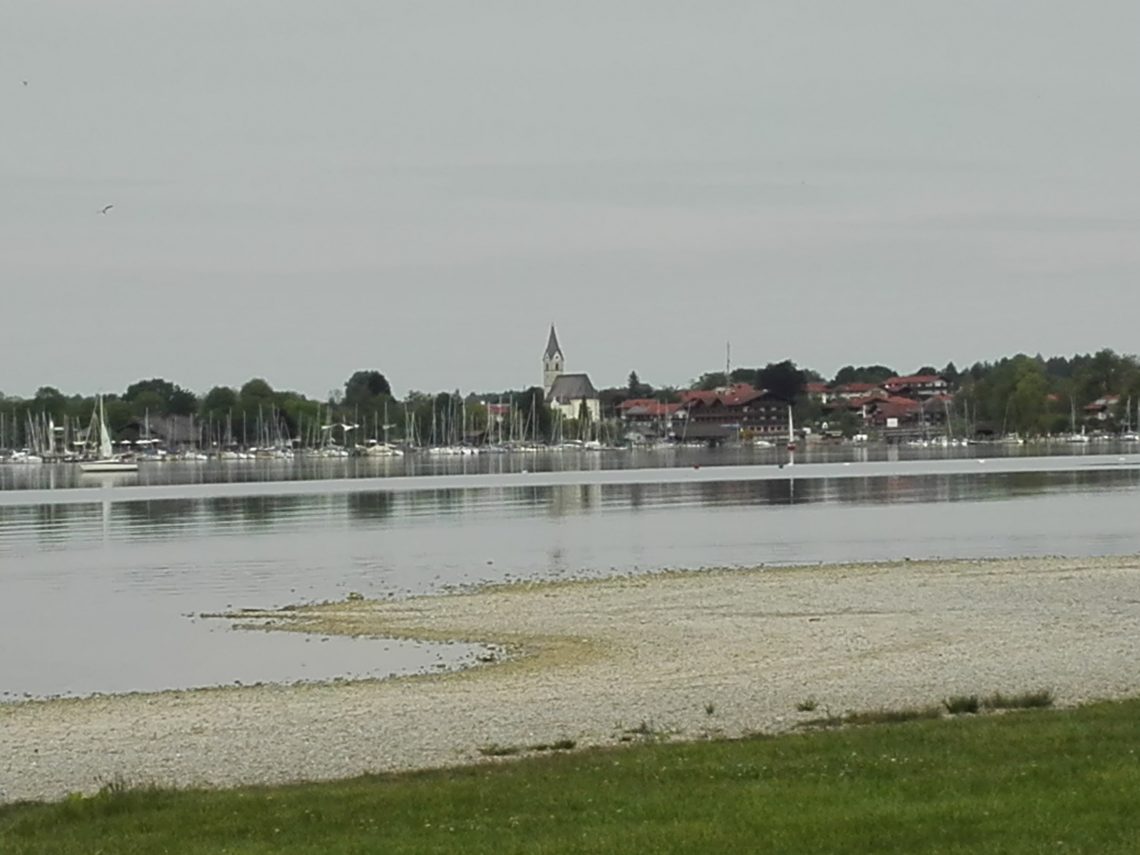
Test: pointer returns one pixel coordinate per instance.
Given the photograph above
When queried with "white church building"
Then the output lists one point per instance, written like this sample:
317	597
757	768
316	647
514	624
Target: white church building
567	393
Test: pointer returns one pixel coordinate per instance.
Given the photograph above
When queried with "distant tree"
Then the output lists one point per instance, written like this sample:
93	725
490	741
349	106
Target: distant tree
636	389
926	369
1058	367
117	412
158	396
147	402
610	399
363	386
863	374
783	380
51	401
950	372
219	401
531	404
478	418
182	402
156	385
710	380
1101	375
742	375
1027	400
846	422
254	392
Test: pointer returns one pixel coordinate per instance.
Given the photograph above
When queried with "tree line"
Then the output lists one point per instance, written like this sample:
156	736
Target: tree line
257	414
1026	394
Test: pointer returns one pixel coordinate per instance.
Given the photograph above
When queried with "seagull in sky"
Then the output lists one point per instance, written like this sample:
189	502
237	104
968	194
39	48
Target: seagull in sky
105	209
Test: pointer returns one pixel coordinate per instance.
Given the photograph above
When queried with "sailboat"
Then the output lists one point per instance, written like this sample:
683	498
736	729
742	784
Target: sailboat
107	460
1073	435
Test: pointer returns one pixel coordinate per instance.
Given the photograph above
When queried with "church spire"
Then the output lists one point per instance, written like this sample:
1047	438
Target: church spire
553	362
552	347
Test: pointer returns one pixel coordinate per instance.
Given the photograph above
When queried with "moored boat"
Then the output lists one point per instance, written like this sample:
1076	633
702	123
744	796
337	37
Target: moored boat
107	461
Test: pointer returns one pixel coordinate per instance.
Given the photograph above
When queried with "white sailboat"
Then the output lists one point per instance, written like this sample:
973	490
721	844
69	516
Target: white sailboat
107	460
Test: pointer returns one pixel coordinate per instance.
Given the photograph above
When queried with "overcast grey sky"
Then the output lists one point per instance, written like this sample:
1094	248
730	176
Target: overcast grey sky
303	189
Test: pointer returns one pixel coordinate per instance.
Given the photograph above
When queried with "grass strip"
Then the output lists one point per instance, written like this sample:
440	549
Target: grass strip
1046	780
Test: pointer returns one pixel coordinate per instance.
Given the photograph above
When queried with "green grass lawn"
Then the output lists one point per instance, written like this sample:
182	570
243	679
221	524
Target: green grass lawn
1035	781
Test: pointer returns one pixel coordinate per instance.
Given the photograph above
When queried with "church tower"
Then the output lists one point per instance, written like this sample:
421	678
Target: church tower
553	362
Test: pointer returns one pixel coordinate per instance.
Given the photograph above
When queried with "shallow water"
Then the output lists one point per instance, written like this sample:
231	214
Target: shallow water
99	588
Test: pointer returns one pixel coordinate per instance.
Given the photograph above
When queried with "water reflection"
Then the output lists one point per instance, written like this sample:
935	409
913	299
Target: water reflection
370	506
60	476
96	593
54	524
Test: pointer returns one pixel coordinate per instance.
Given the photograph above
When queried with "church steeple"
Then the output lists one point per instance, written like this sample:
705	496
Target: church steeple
553	362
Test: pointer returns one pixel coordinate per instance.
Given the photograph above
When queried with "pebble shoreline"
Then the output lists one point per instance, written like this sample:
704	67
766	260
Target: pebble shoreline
687	654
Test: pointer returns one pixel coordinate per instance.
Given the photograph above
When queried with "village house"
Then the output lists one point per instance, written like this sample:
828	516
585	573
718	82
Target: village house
1101	409
851	391
820	392
731	412
650	418
894	411
917	386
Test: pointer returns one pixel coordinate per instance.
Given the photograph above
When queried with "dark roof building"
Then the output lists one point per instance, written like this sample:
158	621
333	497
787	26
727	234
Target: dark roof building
568	388
735	408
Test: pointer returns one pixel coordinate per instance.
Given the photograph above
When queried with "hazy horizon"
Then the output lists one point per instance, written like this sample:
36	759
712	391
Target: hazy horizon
303	191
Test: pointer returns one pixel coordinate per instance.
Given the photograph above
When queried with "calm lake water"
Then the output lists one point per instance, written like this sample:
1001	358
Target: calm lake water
16	477
100	585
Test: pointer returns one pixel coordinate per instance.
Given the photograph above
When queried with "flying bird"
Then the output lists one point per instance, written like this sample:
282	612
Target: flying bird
105	209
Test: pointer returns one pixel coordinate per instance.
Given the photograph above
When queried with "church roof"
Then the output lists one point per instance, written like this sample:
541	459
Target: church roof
552	346
571	387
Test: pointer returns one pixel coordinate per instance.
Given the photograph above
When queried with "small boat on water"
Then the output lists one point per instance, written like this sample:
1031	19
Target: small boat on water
107	461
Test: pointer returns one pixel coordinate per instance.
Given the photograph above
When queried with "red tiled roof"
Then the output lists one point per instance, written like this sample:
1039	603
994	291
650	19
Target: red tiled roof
1103	403
889	406
815	388
902	403
856	387
690	395
629	403
741	393
912	380
732	396
896	408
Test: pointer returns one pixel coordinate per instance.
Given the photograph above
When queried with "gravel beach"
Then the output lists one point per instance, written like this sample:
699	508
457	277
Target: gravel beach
685	654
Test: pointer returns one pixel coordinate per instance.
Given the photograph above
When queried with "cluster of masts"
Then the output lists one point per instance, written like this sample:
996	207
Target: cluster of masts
449	433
